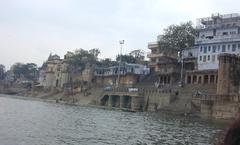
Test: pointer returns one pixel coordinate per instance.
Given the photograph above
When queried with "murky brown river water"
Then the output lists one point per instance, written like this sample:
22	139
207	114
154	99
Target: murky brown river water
25	122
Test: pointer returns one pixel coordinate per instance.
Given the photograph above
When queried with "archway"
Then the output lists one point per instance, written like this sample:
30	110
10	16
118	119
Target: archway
127	102
115	101
104	100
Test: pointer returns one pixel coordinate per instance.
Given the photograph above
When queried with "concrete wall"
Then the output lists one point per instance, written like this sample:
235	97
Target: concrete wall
206	108
64	78
158	101
225	110
137	103
219	109
50	80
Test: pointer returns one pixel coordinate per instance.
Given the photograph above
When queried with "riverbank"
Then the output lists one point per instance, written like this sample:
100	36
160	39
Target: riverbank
92	98
82	103
52	100
26	122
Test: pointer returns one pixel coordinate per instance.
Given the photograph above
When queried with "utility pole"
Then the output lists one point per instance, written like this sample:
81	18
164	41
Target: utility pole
121	42
181	55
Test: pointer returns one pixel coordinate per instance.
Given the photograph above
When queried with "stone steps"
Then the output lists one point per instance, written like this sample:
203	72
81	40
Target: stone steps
183	103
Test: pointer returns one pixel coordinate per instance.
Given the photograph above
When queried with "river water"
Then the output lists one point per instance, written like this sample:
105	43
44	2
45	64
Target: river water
26	122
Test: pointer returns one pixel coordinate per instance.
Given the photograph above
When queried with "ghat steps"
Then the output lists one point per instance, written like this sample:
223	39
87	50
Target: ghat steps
183	101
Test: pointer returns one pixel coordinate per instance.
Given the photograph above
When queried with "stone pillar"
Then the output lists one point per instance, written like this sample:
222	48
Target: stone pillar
209	79
110	101
216	79
186	77
121	101
197	80
202	81
191	79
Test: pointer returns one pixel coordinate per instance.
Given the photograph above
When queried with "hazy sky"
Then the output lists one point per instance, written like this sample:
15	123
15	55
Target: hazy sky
31	29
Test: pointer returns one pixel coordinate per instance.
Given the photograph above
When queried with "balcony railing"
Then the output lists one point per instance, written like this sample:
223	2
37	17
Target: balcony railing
152	63
218	39
153	44
152	55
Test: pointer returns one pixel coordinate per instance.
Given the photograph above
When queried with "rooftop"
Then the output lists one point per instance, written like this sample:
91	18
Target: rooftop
217	19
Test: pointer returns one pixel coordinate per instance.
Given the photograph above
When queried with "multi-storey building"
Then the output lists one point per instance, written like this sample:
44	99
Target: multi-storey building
55	73
164	64
130	74
156	55
190	56
218	34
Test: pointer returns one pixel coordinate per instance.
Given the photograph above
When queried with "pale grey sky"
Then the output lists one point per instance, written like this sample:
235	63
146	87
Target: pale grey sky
31	29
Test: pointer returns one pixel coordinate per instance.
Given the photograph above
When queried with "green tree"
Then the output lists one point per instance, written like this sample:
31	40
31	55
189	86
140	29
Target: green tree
107	62
17	69
95	52
31	70
28	70
176	37
126	58
138	54
81	57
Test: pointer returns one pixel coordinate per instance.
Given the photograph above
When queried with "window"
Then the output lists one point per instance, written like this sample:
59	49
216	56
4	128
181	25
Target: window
218	47
209	48
204	58
205	79
238	46
225	33
201	49
200	58
199	79
205	49
229	47
234	47
190	54
223	48
212	78
208	57
214	48
213	58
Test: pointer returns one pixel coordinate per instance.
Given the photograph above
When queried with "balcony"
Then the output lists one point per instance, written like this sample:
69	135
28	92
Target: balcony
218	39
152	64
153	55
153	45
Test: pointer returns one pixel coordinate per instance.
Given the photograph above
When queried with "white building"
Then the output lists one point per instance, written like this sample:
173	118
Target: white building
127	68
218	34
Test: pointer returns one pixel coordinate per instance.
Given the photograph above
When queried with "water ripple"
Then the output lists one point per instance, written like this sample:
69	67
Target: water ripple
26	122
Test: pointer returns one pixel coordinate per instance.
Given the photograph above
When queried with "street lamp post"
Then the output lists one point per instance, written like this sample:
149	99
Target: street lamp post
121	42
181	53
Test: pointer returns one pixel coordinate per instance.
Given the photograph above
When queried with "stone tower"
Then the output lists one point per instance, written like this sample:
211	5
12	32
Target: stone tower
228	74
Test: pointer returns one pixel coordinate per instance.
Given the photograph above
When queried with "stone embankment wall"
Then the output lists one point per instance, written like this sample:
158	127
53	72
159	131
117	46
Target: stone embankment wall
220	106
223	110
157	101
147	99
